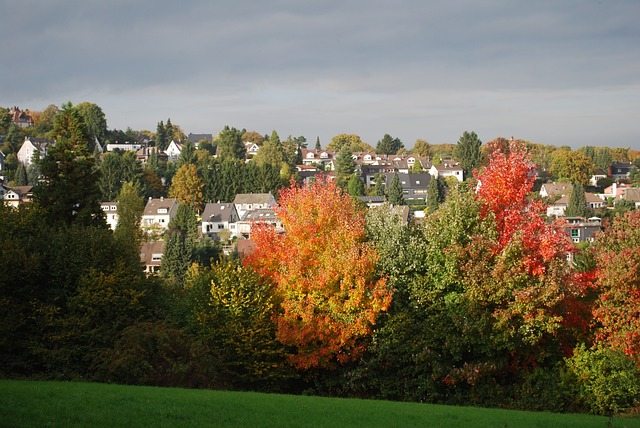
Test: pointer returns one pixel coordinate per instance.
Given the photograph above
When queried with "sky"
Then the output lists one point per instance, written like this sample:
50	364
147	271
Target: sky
552	72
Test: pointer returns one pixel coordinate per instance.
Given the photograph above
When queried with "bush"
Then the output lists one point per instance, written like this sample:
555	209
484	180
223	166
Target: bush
607	381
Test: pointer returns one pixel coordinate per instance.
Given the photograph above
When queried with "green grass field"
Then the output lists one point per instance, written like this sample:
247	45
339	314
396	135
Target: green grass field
70	404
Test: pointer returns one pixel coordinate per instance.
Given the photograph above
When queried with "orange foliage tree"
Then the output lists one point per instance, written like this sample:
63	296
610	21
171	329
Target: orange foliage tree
324	273
618	307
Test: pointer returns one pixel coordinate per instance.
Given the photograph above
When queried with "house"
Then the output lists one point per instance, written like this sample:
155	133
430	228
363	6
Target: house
373	201
582	230
144	153
615	190
632	194
619	170
111	213
369	172
447	169
559	207
31	146
173	151
555	190
258	216
125	147
598	174
151	256
21	118
14	196
414	186
217	217
196	138
251	149
158	213
321	157
245	202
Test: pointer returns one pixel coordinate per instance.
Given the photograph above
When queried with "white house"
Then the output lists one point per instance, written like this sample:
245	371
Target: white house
245	202
447	170
30	146
125	147
14	196
158	213
258	216
173	151
219	217
111	213
251	149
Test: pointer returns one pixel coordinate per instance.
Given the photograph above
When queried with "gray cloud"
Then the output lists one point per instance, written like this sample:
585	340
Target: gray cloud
553	72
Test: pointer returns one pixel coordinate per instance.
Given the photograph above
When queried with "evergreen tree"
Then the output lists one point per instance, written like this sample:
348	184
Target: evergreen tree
185	220
271	152
230	145
435	194
168	131
318	146
20	177
161	137
176	259
379	188
345	167
577	205
187	155
130	209
467	152
389	145
395	191
355	186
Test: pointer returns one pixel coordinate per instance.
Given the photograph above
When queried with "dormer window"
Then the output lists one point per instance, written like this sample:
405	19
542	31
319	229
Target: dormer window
163	210
310	155
411	160
324	155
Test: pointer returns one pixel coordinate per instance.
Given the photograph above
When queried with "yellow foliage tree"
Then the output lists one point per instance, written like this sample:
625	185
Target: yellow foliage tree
187	187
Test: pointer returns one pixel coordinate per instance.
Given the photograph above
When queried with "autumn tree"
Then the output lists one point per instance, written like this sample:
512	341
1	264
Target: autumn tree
617	309
187	186
352	142
323	273
571	165
422	148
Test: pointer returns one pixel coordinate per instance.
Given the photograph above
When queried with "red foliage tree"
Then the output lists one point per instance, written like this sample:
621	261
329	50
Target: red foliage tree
323	272
618	308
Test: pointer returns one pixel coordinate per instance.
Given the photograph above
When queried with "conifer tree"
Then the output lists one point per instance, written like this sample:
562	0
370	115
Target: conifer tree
577	205
318	146
355	186
395	191
20	177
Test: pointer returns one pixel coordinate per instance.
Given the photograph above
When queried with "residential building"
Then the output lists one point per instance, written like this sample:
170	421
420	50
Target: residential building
251	149
196	138
598	174
447	169
632	194
111	213
321	157
555	190
144	153
217	217
245	202
173	151
559	207
21	118
158	213
258	216
619	170
373	201
125	147
582	230
31	146
414	186
15	196
151	256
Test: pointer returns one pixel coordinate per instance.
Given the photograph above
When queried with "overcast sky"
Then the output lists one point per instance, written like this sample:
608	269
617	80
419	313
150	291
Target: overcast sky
553	72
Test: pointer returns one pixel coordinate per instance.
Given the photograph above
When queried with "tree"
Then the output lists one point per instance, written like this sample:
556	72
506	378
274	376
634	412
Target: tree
130	209
323	274
602	158
45	121
230	145
355	186
352	142
253	137
95	121
187	187
571	165
176	258
389	145
69	192
188	154
468	152
345	167
318	146
185	220
20	177
271	152
435	193
161	137
422	148
577	206
395	195
168	130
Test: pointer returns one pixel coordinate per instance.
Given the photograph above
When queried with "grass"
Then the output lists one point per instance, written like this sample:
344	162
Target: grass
76	404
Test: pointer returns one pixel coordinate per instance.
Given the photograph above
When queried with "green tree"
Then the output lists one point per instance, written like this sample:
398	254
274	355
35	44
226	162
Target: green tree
230	145
69	192
20	177
435	193
577	206
94	120
185	220
161	137
187	187
389	145
318	146
602	158
176	259
571	165
395	195
352	142
345	167
130	209
468	152
355	186
271	152
379	188
188	154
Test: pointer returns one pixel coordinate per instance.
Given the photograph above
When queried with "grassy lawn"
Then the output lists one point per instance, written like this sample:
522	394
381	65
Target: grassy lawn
68	404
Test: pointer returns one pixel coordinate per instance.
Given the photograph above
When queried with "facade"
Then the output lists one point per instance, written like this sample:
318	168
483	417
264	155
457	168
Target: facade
582	230
158	213
30	146
111	213
246	202
321	157
125	147
258	216
21	118
15	196
619	170
173	151
559	207
217	217
414	186
151	256
447	170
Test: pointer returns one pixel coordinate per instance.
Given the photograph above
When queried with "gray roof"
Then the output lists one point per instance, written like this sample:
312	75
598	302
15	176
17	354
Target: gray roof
153	205
262	214
252	198
195	138
217	212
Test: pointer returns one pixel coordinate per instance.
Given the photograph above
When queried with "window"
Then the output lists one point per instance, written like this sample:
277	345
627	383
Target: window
220	226
113	208
156	257
575	233
162	210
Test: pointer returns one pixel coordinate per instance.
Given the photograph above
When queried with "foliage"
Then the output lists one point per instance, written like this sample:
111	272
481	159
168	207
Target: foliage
395	195
230	145
95	121
422	148
574	166
185	221
323	273
607	380
468	152
389	145
577	206
187	187
379	187
435	193
618	260
130	209
350	142
355	186
345	167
